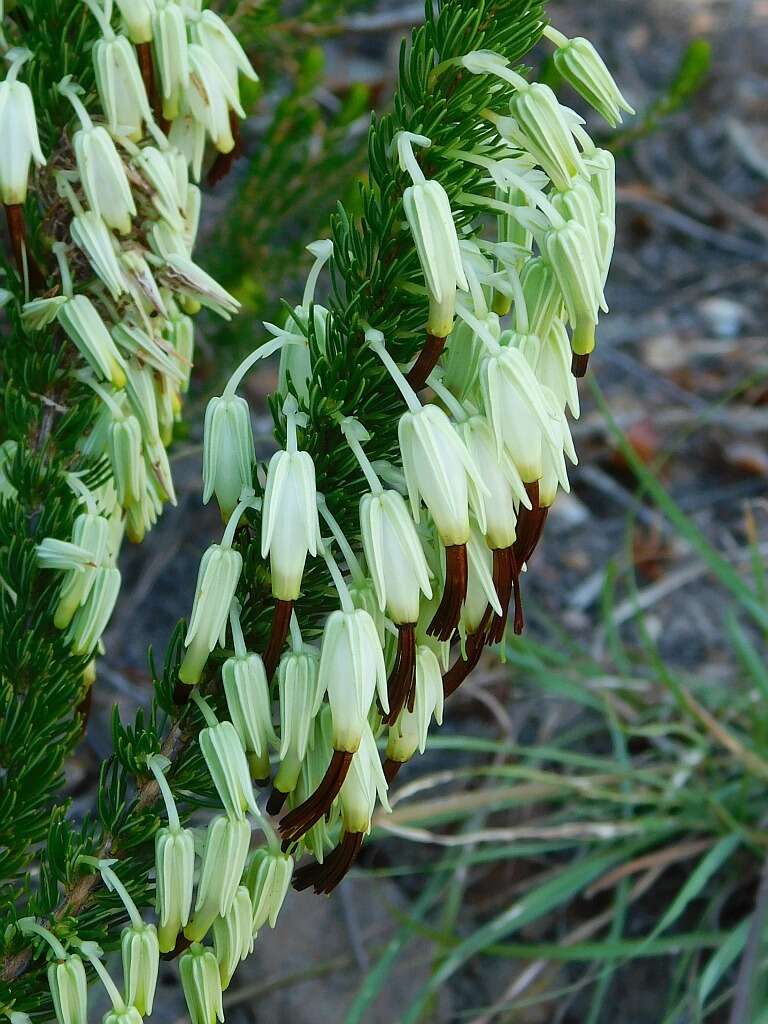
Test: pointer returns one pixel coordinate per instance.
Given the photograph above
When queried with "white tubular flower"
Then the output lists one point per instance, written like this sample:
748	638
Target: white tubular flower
153	165
429	216
233	936
138	943
410	732
171	53
215	36
601	167
217	581
554	470
289	523
86	330
91	618
18	127
516	410
297	680
578	270
121	1012
185	277
267	877
140	282
226	849
439	470
225	759
364	782
118	79
393	554
91	234
90	533
351	672
188	136
102	172
66	976
500	476
137	17
579	203
62	554
550	359
582	66
250	708
543	298
201	983
174	865
210	96
228	453
127	461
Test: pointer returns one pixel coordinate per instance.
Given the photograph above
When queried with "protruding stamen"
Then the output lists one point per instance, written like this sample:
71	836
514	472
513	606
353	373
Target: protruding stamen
391	768
222	165
401	685
461	668
579	364
302	818
281	621
446	618
426	361
530	523
326	876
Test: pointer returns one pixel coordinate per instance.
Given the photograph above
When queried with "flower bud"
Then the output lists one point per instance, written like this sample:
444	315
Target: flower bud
224	755
103	177
582	66
250	708
141	958
90	233
201	983
297	681
500	476
174	870
429	216
170	37
439	470
121	88
217	580
542	129
228	454
233	935
267	877
351	671
137	16
69	990
91	618
87	331
226	848
394	555
289	521
122	1015
18	129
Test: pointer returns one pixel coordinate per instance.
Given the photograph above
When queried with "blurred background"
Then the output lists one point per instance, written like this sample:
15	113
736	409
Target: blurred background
584	840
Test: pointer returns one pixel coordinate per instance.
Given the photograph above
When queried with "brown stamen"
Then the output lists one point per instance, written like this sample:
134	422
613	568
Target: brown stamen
426	362
281	621
222	165
401	685
391	768
182	943
302	818
579	364
530	523
326	876
15	216
181	693
461	668
276	801
506	578
147	68
446	618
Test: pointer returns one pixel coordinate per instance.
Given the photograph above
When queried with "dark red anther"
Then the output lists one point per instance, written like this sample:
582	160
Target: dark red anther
281	621
391	768
302	818
401	685
446	618
530	523
461	668
222	165
324	878
579	364
276	801
425	362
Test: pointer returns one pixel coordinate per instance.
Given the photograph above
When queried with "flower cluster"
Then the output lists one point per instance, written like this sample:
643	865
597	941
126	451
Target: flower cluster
123	288
442	541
